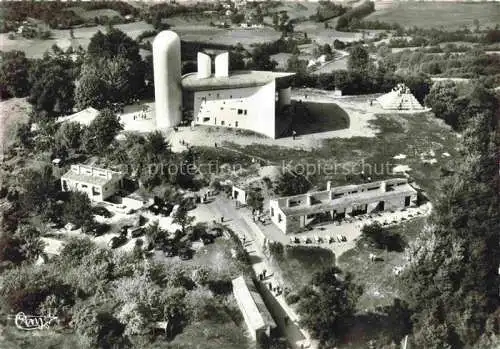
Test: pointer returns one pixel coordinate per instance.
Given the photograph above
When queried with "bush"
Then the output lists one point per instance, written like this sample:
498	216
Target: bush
276	249
292	298
382	238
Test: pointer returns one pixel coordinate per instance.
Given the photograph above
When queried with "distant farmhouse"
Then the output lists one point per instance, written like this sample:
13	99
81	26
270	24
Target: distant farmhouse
98	183
291	213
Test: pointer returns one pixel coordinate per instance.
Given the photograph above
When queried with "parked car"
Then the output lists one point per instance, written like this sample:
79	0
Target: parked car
101	211
135	232
117	241
207	239
124	229
98	229
169	251
217	232
185	253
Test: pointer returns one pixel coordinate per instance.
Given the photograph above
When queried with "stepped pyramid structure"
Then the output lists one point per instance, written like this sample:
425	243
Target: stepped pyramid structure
400	98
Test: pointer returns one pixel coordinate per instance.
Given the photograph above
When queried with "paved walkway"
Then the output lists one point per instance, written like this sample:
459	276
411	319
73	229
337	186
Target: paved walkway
240	222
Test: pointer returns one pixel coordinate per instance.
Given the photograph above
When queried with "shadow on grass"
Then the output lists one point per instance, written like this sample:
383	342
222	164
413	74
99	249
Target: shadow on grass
312	117
388	324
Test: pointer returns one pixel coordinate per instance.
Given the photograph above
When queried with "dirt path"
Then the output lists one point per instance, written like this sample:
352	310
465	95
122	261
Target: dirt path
297	337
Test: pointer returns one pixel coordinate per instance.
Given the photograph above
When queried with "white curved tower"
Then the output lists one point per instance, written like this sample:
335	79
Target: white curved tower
167	79
204	65
222	65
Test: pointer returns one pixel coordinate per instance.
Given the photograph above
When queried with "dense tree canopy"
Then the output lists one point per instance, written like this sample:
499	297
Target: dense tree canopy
14	74
452	283
292	184
52	85
101	132
327	306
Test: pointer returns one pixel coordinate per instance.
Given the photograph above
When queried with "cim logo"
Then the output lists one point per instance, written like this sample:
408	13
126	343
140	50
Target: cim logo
33	322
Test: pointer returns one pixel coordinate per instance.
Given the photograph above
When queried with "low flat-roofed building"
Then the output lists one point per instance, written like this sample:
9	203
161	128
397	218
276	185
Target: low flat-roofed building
83	117
291	213
98	183
255	312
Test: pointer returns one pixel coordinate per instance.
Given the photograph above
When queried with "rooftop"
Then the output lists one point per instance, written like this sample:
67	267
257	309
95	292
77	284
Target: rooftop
252	304
236	79
84	117
347	195
90	175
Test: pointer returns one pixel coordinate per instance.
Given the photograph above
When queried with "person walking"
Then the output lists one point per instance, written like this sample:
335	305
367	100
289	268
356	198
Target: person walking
294	134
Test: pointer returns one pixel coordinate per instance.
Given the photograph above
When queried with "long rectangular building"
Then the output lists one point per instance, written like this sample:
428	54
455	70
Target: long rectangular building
255	312
293	213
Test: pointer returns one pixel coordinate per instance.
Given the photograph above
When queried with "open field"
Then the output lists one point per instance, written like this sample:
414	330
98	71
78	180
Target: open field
380	286
301	262
316	31
62	38
420	137
297	9
446	15
188	30
13	112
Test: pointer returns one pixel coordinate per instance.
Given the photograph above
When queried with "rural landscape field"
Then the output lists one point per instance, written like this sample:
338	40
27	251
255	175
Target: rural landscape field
250	174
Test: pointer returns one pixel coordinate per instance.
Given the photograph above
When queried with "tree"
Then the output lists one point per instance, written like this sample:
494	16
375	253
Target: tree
292	184
261	59
255	200
338	45
52	85
326	306
182	218
91	92
14	75
96	327
359	59
101	132
155	234
297	65
113	44
441	99
110	80
75	249
381	237
236	61
452	280
38	189
276	19
69	135
10	249
237	18
78	210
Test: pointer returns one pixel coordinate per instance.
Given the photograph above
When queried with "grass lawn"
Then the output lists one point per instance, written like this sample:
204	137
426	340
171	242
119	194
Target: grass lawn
380	288
379	282
316	31
13	112
408	134
211	334
62	38
13	338
301	262
447	15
